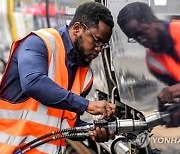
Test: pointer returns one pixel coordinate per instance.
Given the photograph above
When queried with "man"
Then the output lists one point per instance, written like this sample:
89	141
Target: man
47	78
139	23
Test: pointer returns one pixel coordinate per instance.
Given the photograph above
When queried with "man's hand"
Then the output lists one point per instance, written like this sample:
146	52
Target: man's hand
170	94
103	107
173	119
101	135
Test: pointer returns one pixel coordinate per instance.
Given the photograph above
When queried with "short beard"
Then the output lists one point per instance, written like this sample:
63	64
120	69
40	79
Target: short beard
79	54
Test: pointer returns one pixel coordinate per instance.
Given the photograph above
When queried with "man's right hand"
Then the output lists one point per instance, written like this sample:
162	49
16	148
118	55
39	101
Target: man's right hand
103	107
170	94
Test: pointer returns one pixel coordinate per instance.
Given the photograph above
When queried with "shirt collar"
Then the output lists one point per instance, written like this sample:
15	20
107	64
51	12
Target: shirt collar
166	24
168	47
66	38
67	43
167	32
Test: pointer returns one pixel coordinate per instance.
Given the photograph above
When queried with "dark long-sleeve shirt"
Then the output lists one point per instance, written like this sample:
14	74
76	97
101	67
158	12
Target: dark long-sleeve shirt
27	76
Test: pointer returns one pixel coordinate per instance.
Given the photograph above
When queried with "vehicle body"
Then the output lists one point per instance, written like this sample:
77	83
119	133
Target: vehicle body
127	81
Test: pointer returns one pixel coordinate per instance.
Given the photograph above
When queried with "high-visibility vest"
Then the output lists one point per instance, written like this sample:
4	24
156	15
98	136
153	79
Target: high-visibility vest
161	63
28	120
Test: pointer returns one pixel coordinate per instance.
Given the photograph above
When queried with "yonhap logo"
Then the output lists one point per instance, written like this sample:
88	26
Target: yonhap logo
165	140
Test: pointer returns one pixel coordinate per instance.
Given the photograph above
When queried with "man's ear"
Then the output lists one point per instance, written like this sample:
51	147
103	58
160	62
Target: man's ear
77	28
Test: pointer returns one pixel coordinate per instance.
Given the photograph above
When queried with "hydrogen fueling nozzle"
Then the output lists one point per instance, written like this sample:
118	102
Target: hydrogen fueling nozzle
122	126
168	117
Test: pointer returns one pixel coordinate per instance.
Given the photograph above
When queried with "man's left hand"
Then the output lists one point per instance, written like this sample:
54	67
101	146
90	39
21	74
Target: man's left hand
101	135
170	94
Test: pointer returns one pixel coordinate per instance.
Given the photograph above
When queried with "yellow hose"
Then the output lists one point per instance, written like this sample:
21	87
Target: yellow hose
10	8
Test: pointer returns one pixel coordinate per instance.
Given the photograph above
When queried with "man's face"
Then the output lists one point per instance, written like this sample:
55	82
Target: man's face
91	42
147	34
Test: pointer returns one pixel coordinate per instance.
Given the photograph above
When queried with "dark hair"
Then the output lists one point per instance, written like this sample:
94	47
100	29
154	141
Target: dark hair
91	13
138	11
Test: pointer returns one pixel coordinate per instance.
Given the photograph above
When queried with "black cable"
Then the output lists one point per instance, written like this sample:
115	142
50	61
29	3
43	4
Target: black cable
47	14
40	143
72	132
69	136
69	130
40	138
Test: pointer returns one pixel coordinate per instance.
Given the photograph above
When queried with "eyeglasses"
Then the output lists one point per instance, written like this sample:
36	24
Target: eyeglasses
142	34
131	40
97	42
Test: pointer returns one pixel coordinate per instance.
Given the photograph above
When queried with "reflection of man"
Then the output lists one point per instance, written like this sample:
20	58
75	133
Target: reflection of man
161	38
47	78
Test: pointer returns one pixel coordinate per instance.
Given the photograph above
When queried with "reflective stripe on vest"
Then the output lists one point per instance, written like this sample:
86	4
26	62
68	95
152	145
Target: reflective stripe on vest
155	65
22	122
51	71
32	115
15	141
162	63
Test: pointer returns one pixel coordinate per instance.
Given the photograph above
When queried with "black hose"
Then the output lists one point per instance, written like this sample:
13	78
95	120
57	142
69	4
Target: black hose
69	136
69	133
40	138
47	14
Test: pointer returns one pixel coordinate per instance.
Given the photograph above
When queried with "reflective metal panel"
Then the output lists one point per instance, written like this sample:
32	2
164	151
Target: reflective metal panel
137	87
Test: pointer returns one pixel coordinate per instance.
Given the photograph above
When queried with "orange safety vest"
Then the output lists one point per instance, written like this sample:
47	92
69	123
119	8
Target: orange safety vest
28	120
161	63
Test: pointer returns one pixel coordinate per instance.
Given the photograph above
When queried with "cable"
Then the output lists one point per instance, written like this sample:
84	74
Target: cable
69	136
64	133
108	67
47	14
40	138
